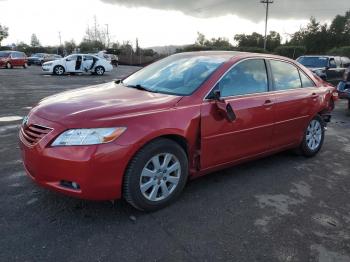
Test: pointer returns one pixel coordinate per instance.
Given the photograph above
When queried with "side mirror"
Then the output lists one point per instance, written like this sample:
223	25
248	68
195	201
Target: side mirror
224	107
118	81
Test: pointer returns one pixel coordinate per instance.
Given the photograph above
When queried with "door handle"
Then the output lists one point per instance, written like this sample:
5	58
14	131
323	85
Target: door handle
268	102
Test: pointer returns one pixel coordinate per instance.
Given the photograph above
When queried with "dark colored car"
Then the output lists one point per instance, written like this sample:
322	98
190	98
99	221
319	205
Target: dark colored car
182	117
344	87
41	58
329	68
10	59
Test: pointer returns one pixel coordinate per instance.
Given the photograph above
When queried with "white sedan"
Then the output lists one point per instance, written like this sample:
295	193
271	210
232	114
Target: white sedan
78	63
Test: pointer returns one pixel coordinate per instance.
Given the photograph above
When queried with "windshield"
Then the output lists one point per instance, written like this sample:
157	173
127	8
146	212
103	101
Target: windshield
4	54
178	74
313	61
38	55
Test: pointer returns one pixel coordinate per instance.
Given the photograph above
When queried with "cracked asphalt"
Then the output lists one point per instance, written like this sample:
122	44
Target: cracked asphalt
281	208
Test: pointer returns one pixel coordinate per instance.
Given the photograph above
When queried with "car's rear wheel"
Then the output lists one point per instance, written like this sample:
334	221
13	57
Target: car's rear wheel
8	65
156	175
313	137
58	70
99	70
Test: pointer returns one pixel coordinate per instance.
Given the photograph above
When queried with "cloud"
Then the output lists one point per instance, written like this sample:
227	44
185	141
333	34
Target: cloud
249	9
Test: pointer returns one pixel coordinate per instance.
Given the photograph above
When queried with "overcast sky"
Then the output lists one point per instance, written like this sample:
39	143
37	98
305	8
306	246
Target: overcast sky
157	22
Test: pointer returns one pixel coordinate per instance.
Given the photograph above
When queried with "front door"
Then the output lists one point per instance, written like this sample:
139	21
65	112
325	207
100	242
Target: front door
246	87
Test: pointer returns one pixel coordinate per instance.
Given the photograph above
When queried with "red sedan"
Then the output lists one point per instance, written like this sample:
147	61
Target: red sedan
11	59
182	117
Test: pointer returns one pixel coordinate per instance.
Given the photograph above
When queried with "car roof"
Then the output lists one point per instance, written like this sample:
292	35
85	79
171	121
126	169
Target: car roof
229	55
326	56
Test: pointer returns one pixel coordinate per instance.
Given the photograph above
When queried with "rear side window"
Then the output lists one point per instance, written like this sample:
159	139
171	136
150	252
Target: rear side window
247	77
305	80
285	75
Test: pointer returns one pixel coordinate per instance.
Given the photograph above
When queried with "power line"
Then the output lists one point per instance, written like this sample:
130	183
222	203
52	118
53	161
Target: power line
267	2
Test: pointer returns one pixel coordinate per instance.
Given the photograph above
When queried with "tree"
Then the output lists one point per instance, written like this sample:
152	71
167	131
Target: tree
257	40
70	46
4	33
34	41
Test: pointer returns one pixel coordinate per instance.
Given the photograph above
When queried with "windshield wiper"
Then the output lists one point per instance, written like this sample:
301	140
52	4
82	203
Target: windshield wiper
140	87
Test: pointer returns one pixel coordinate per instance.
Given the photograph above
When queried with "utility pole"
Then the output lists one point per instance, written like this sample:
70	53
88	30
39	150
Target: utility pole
267	2
107	32
59	36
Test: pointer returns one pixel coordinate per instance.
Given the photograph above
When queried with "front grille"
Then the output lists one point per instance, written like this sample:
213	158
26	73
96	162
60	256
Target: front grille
32	134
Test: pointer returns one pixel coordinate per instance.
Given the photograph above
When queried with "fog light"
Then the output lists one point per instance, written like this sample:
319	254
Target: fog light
70	184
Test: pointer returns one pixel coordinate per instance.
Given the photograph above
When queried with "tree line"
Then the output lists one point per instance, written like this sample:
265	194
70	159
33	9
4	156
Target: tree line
314	38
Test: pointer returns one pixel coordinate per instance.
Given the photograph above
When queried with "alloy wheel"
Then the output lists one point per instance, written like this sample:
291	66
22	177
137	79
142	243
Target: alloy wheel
160	177
314	135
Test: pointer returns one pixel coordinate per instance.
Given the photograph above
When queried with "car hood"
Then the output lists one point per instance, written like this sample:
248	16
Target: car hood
104	102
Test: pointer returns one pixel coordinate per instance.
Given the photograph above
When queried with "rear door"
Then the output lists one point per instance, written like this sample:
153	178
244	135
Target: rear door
294	103
246	87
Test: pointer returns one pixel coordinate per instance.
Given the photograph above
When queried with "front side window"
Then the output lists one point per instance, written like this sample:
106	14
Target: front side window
248	77
285	75
178	74
332	63
72	58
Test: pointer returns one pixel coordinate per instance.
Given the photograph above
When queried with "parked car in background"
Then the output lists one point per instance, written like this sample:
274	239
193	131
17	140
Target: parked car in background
11	59
179	118
329	68
114	59
344	87
78	63
41	58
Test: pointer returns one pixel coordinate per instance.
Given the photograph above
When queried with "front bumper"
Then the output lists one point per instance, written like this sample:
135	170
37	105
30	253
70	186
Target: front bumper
98	169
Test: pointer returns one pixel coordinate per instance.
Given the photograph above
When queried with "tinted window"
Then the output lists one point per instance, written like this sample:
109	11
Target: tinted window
313	61
247	77
285	75
332	63
305	80
4	54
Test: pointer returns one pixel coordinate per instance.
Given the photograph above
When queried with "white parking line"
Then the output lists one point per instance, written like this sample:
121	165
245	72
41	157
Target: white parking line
10	118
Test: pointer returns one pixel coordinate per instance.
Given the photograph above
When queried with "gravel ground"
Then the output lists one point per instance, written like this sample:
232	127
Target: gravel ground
281	208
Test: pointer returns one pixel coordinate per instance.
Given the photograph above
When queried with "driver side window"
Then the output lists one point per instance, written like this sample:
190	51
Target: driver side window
332	63
248	77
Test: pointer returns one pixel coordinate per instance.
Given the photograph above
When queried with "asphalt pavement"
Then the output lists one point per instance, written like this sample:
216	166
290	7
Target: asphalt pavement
281	208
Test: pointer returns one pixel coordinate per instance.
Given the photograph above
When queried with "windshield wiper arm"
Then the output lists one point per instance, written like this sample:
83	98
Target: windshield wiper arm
140	87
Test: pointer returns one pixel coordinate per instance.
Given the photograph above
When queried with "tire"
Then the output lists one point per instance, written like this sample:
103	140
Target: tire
58	70
100	70
143	173
25	65
8	65
313	137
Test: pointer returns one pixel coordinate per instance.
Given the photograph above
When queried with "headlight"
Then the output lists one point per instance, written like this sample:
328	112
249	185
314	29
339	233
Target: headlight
89	136
47	64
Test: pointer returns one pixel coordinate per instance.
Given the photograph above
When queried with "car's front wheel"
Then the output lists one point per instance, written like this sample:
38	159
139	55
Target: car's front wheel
156	175
313	137
58	70
99	70
25	65
8	65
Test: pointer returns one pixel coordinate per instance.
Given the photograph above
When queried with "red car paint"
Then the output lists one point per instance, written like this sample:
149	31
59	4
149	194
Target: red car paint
13	59
266	123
